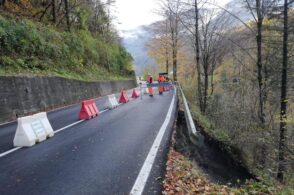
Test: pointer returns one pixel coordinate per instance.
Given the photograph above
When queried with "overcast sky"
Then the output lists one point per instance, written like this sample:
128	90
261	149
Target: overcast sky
133	13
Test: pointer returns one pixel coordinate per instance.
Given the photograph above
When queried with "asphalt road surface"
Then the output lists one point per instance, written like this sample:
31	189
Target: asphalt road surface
103	155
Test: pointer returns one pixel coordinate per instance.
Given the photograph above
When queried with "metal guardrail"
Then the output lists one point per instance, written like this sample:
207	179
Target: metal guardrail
188	116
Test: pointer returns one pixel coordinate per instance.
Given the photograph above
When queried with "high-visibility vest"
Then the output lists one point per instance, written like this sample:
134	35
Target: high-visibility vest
160	78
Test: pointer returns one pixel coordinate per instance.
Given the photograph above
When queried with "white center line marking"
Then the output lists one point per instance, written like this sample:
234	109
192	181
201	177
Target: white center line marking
68	126
104	111
57	131
141	180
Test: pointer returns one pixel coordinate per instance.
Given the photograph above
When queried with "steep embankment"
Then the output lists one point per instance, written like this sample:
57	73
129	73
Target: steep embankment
212	165
29	47
205	168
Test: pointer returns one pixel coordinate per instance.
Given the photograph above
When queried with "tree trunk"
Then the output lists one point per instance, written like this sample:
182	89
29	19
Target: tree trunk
212	82
197	48
175	61
205	90
67	14
54	11
259	62
283	112
2	2
166	51
174	45
166	60
206	79
108	15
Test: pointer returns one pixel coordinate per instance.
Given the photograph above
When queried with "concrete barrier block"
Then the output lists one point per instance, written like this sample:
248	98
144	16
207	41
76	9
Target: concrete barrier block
32	129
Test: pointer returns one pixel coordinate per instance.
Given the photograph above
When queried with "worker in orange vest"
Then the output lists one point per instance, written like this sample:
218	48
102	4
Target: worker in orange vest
160	80
150	80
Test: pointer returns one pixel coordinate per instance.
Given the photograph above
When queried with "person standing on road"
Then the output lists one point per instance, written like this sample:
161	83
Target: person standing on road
160	80
150	81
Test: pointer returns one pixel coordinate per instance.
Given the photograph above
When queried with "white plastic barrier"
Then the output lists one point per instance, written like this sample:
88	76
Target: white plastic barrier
111	102
32	129
146	91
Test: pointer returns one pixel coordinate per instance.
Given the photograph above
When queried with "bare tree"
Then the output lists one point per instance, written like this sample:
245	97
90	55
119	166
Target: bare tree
283	112
54	11
2	2
197	54
207	34
166	45
211	38
67	12
171	11
259	9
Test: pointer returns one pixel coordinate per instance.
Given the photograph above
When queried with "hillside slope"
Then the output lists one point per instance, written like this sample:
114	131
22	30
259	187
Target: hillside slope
30	47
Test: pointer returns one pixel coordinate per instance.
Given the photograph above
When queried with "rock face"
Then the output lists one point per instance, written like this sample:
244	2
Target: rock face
23	95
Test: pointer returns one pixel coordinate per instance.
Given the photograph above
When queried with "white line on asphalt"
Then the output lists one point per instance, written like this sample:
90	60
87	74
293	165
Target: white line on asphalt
57	131
9	151
141	180
104	111
68	126
7	123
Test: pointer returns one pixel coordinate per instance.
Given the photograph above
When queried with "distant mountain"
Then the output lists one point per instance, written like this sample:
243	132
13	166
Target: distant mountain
135	41
237	8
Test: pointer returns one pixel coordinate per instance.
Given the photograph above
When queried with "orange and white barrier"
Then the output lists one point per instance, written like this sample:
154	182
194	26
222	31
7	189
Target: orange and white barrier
135	94
88	110
123	97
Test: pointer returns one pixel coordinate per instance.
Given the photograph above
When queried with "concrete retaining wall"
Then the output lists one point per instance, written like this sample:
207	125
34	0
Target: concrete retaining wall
23	95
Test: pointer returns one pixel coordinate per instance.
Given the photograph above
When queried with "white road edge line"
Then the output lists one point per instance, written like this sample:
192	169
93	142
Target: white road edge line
141	180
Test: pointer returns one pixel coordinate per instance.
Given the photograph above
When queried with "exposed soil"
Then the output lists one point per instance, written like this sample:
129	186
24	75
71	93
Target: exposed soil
217	164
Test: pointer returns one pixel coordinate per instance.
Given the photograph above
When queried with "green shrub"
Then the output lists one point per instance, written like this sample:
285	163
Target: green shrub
31	47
